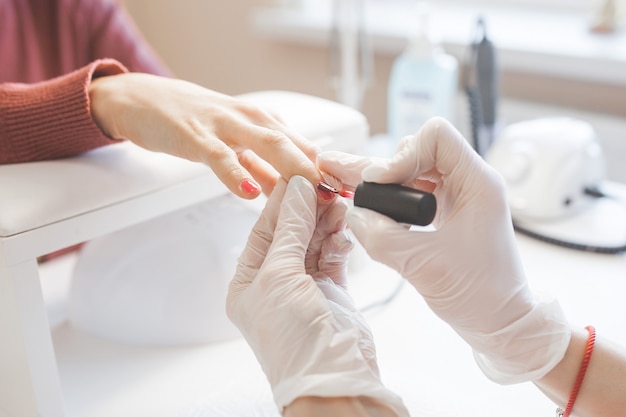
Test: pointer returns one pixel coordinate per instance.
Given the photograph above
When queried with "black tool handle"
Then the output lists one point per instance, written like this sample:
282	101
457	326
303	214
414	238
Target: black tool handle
403	204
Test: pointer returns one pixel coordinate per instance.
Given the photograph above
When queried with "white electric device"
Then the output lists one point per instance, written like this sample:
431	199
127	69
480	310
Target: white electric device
554	171
164	282
548	164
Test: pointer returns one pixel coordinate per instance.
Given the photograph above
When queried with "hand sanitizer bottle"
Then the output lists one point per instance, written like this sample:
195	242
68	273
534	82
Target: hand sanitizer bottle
423	82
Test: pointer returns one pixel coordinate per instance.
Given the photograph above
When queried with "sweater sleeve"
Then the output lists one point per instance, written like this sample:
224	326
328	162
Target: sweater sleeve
51	119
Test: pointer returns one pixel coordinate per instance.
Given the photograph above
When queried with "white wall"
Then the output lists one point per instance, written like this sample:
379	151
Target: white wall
212	43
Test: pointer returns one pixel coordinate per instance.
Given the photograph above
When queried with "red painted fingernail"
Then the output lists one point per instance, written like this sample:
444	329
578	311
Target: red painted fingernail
249	186
325	191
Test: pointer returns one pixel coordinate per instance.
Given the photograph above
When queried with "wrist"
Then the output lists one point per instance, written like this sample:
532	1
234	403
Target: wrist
527	349
338	406
104	104
559	384
359	386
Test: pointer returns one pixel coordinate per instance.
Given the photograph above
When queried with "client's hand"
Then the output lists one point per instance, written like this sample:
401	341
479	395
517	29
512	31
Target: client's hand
247	148
288	300
468	269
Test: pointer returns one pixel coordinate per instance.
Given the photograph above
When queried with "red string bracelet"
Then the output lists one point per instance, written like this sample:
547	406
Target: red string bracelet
591	341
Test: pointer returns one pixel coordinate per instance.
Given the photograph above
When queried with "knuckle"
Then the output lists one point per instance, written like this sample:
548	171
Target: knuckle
252	111
215	154
231	173
275	138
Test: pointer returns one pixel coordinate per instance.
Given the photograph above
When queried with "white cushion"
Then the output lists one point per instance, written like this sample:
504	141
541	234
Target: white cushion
36	194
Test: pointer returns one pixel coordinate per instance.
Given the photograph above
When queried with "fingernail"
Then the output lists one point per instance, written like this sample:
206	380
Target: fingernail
325	191
249	186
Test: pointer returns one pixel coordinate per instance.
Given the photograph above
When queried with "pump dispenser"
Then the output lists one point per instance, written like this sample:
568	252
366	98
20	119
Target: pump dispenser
423	81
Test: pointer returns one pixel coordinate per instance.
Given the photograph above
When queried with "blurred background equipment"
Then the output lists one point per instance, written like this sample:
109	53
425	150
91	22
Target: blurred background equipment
554	171
351	56
481	83
423	81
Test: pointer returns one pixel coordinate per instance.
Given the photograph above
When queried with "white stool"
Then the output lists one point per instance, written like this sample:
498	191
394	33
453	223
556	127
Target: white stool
50	205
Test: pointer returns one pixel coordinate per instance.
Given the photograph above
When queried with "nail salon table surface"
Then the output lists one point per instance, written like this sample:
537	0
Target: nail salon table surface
420	357
50	205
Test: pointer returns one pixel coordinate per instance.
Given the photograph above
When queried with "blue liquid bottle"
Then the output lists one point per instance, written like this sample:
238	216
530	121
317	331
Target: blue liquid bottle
423	83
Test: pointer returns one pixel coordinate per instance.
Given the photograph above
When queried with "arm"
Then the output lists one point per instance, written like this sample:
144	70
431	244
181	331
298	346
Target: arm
246	147
51	119
516	335
602	390
338	407
56	51
242	143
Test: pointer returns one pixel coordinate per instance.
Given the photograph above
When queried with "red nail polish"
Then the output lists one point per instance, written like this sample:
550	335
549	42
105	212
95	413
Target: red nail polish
346	194
249	186
325	191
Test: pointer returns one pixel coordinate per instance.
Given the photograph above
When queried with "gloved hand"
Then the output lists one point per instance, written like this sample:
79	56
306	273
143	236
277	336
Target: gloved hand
468	269
288	301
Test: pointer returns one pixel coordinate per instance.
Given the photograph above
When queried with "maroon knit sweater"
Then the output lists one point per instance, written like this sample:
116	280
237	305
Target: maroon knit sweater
49	52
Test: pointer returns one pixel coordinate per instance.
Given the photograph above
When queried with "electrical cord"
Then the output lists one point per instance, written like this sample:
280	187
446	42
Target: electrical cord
477	118
571	245
611	250
386	300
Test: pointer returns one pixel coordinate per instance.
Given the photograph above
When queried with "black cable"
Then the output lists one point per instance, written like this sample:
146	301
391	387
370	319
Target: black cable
610	250
384	301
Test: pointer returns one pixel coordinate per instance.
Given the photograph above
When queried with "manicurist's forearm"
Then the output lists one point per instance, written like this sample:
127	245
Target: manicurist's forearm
602	393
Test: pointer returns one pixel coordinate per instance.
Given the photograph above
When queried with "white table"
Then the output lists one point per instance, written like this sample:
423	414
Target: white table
74	374
50	205
420	357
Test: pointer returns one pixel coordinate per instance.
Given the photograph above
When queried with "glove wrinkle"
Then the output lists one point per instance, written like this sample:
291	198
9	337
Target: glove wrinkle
467	267
287	300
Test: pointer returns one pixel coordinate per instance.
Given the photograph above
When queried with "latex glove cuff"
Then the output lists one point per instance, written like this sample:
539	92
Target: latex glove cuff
353	384
527	349
342	359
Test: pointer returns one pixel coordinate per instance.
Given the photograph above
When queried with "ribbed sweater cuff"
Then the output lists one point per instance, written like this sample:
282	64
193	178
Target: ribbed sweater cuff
51	119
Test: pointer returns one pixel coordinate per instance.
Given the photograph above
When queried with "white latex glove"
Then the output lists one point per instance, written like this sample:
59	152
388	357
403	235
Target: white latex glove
468	269
285	299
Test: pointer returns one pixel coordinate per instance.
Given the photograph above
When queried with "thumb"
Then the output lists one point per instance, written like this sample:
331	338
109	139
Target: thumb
437	149
343	166
294	228
334	255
